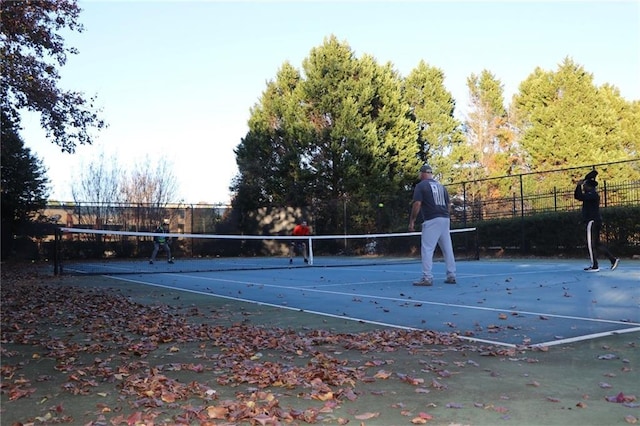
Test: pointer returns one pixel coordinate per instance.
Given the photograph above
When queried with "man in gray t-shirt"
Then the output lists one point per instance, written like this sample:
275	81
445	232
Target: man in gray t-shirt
431	199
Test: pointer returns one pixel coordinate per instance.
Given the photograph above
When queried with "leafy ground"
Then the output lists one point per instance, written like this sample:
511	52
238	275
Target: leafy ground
93	351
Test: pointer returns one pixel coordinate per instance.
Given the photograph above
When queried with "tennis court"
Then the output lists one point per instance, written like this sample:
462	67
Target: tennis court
504	302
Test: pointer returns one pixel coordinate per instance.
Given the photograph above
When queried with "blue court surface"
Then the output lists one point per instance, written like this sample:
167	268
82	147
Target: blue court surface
504	302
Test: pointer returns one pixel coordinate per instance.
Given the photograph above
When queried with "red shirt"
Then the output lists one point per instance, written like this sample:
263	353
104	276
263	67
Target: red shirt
301	230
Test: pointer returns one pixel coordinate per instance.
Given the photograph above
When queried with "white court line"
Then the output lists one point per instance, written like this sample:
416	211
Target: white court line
385	269
476	275
255	302
469	339
586	337
394	299
92	265
383	324
359	269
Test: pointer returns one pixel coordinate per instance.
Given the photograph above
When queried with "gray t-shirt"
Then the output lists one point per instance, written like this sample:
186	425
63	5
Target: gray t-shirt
434	198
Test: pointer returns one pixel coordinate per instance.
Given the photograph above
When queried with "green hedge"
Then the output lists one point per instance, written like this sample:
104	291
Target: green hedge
559	234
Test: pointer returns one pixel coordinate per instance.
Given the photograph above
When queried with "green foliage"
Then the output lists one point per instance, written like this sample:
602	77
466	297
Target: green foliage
488	126
440	138
496	151
350	132
565	121
345	134
24	184
31	49
559	234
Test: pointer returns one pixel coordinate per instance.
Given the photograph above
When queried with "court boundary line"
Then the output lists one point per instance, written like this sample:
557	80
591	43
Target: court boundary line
587	337
350	318
273	305
357	262
395	299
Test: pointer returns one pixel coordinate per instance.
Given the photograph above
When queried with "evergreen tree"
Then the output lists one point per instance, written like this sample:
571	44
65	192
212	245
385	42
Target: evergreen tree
492	136
441	141
343	132
566	121
24	184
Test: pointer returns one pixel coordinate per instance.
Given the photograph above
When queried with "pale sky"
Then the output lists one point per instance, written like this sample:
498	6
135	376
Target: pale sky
177	79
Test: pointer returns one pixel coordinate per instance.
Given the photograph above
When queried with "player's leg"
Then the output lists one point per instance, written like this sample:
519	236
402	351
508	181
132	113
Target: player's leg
292	249
428	242
591	244
446	245
168	250
304	252
156	247
603	248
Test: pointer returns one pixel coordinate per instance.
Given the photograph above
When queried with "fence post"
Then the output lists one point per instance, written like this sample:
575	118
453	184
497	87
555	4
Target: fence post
344	224
57	269
464	204
193	213
522	244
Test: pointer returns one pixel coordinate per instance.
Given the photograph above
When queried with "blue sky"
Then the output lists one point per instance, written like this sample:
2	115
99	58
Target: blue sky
177	79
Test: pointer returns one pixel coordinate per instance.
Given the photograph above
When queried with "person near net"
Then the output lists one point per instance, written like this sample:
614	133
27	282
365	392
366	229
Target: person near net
431	199
299	245
587	193
161	241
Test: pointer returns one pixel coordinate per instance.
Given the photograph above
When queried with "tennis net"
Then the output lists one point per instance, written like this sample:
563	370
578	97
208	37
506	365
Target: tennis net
92	251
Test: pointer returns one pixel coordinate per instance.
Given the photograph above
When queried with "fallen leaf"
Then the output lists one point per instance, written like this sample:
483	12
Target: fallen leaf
366	416
215	412
382	374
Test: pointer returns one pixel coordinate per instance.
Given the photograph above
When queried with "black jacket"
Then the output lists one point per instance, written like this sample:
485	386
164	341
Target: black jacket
160	239
590	202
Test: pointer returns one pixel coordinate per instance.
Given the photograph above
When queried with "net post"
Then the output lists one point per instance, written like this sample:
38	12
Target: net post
477	244
310	244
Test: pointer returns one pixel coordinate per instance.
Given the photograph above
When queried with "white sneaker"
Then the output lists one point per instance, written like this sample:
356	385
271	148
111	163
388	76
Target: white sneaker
592	269
614	264
424	282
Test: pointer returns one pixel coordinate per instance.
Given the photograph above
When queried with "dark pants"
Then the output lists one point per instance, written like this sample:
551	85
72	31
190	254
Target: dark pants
594	244
156	248
298	247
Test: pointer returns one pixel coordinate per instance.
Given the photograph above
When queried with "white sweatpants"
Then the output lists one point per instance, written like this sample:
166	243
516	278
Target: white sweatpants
436	232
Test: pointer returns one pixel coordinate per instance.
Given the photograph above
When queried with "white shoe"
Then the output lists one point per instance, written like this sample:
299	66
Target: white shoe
614	264
592	269
424	282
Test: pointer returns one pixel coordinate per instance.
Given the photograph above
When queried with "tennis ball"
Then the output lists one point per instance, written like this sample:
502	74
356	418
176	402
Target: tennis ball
380	204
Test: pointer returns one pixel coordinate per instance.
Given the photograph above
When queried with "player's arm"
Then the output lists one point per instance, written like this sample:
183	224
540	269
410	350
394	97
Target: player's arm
578	194
415	209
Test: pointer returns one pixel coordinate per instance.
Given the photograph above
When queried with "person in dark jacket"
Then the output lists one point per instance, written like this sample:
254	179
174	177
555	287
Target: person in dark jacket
161	241
587	193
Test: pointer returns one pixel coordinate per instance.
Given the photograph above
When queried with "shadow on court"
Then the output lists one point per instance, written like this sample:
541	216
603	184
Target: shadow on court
505	302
